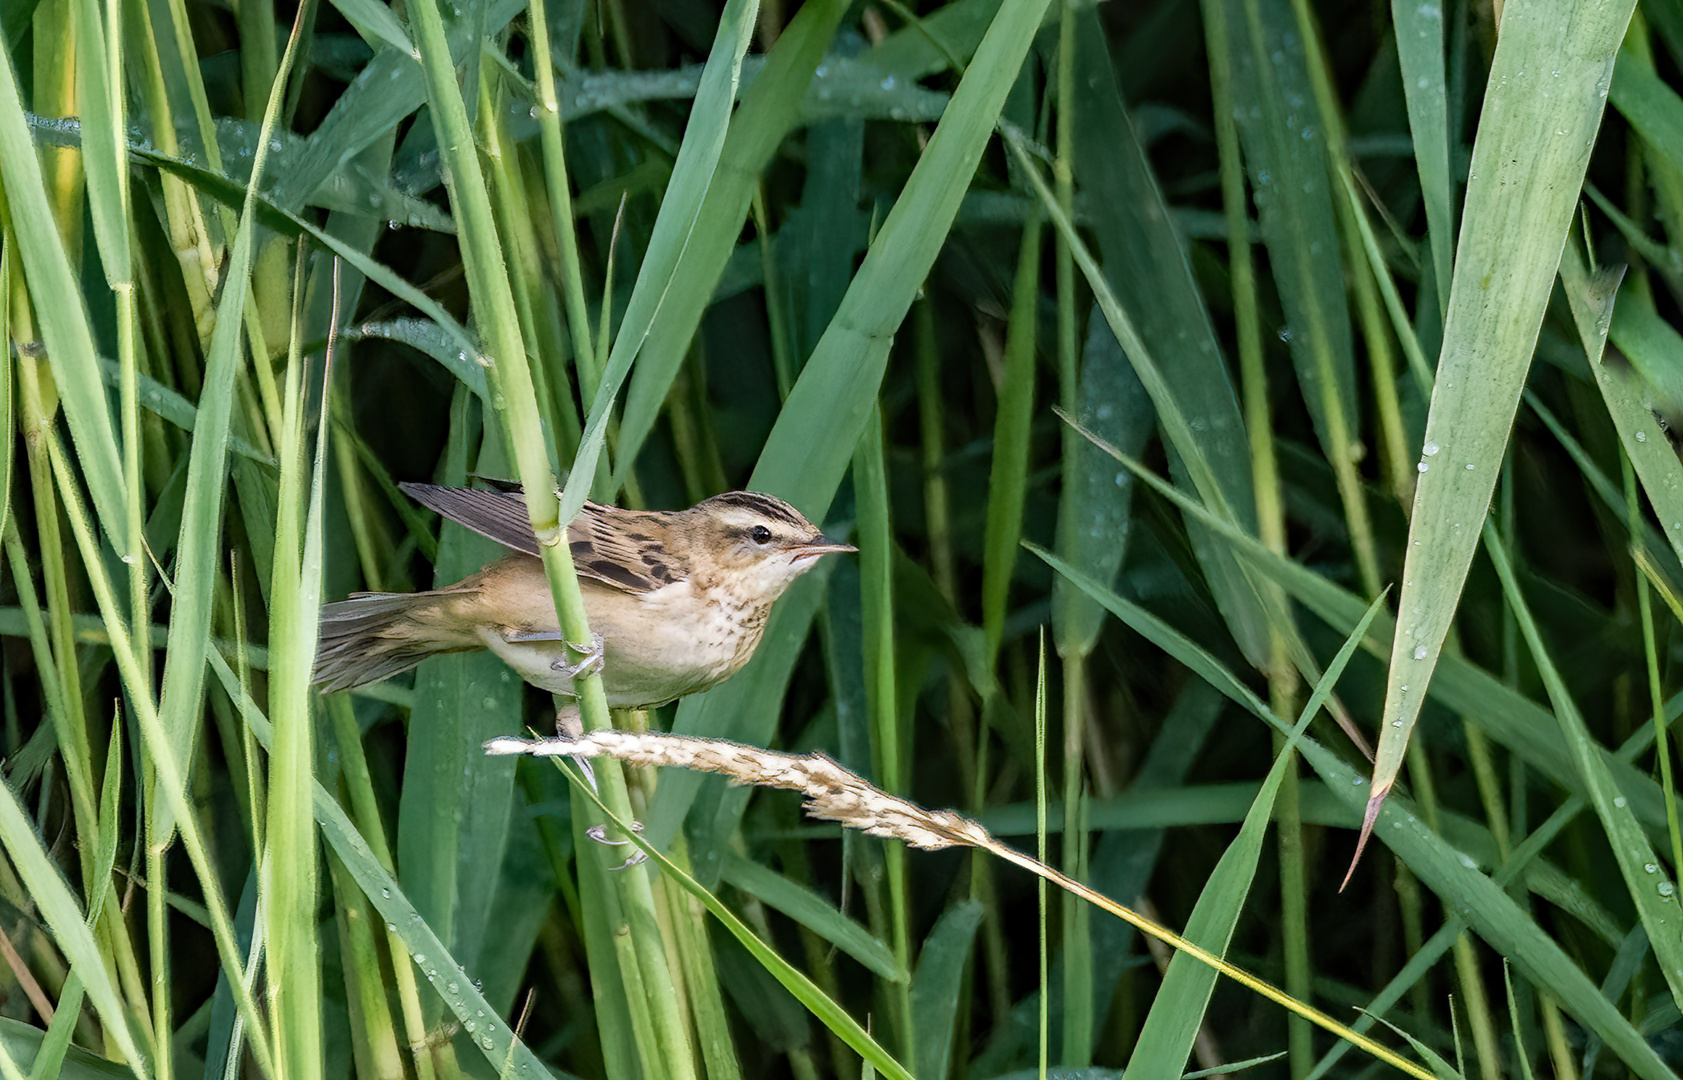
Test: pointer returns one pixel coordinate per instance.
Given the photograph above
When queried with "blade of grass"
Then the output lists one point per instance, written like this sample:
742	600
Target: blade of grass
64	321
1419	26
420	943
197	549
805	991
1654	898
1286	138
1504	714
1179	1010
1008	470
938	984
64	918
1528	167
769	110
681	211
290	866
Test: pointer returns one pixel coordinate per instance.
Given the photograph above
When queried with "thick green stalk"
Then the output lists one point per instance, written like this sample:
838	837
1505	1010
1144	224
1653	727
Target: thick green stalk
514	397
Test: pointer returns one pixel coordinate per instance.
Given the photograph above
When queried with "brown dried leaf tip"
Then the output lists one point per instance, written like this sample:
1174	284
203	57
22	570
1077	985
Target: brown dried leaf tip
832	792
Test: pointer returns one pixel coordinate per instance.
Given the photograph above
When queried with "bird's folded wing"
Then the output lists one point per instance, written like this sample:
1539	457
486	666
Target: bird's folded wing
602	551
624	549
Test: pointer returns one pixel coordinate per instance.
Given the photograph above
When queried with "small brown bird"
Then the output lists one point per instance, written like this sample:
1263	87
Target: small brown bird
677	600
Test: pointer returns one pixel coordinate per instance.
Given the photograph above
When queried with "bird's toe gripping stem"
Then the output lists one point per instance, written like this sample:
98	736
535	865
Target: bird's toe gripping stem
589	660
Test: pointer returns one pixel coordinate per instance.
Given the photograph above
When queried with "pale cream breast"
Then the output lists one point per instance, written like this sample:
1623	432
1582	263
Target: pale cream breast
658	646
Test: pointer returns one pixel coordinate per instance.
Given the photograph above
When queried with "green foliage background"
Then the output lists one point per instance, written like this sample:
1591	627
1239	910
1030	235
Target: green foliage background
1139	348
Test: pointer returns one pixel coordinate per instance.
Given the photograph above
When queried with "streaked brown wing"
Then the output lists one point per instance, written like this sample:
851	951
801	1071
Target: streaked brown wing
606	551
623	549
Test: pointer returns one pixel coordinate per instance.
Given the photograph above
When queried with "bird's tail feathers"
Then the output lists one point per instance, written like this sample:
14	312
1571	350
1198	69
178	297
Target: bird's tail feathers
373	636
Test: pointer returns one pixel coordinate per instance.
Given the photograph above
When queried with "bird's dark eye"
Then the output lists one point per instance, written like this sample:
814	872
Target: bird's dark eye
760	534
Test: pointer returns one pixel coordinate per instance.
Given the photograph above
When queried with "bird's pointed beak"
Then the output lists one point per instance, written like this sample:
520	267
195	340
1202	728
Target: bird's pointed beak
822	545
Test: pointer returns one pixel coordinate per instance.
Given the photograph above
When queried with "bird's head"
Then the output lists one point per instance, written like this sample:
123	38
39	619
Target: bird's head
759	540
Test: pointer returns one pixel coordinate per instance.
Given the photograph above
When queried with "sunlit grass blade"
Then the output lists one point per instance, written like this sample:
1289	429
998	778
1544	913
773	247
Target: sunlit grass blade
199	547
64	327
1536	144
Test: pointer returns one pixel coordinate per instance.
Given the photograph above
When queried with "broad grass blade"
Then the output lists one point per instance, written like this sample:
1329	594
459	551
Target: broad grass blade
1528	167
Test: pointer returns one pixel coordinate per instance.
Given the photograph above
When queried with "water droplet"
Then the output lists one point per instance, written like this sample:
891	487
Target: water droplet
1420	652
1665	888
420	958
1430	449
1422	466
1469	469
1650	868
387	893
1284	333
1641	436
888	82
1619	802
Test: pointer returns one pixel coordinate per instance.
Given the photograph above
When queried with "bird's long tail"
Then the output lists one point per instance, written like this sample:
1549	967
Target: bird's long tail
373	636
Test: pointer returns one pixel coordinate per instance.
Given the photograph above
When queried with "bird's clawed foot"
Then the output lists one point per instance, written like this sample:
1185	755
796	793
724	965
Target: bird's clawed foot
599	833
589	660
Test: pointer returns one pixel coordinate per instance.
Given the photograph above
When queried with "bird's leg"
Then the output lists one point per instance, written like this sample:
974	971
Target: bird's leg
589	661
590	655
568	728
568	722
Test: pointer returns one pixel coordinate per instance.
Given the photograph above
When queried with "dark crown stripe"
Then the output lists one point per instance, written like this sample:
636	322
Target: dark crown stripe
771	507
